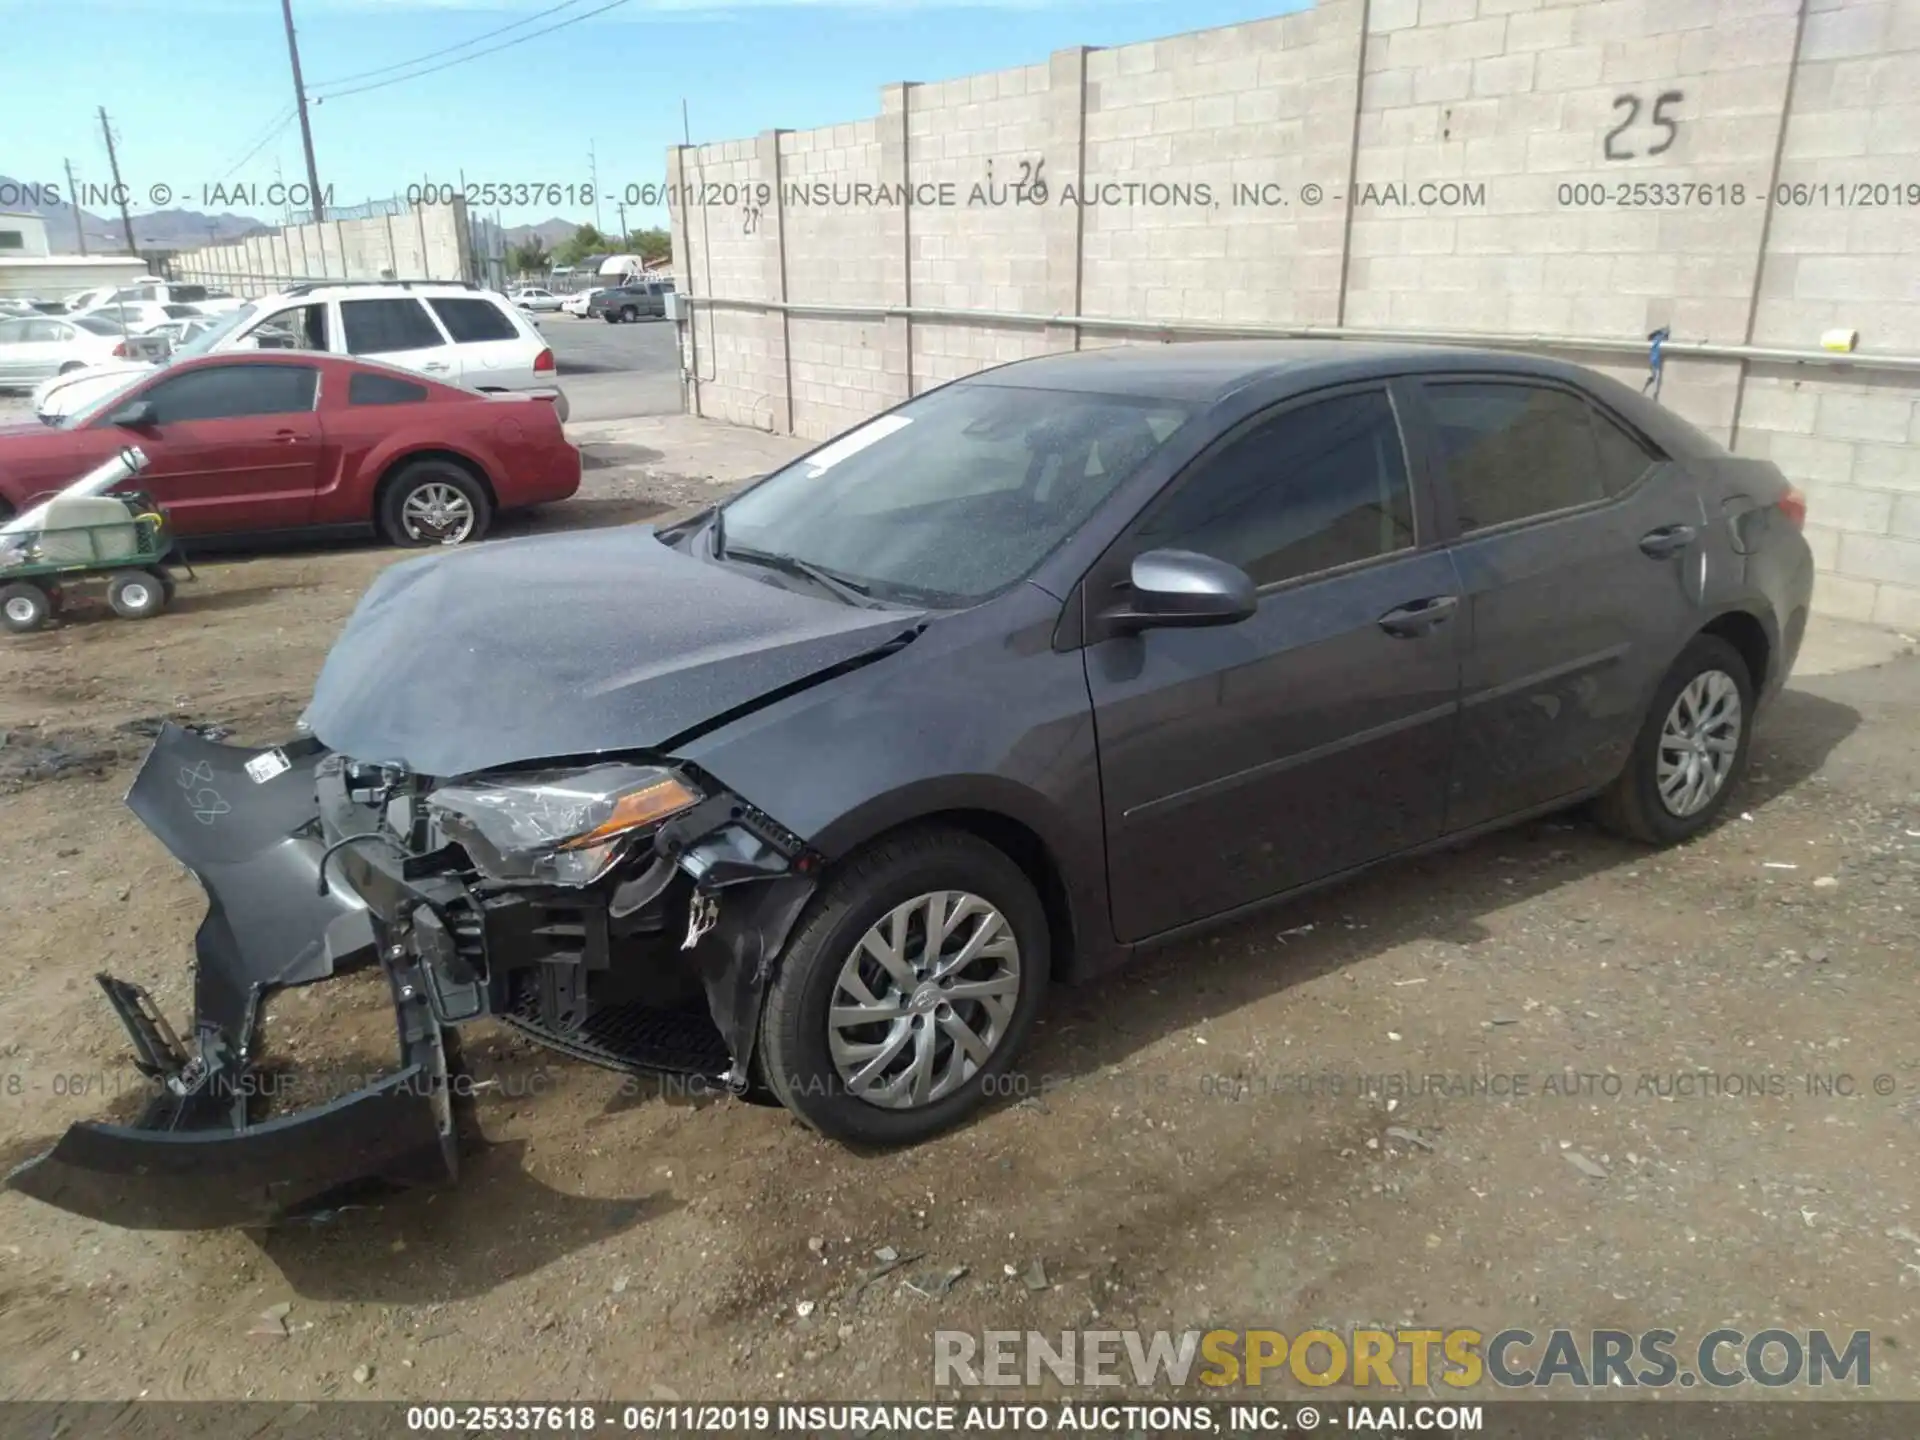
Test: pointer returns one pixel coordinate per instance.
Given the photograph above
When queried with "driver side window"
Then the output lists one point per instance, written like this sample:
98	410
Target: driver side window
227	392
1316	487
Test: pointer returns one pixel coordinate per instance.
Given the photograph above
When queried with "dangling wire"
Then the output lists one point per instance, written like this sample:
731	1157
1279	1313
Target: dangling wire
1656	362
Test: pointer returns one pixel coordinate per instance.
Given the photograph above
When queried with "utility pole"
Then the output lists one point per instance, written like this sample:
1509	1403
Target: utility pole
300	99
623	224
119	190
73	204
593	178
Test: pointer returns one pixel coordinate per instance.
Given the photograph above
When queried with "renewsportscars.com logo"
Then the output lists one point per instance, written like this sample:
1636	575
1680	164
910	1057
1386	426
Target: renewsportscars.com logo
1402	1359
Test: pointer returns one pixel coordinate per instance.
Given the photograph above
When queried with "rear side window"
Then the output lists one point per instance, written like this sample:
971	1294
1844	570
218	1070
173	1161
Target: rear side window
1509	452
1315	488
471	321
1623	459
226	392
369	389
386	327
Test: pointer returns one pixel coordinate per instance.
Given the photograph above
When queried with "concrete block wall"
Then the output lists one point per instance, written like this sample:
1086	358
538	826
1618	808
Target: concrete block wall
429	242
1423	166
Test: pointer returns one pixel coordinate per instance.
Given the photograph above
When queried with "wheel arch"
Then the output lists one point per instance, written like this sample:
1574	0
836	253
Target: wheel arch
1751	637
394	466
1009	828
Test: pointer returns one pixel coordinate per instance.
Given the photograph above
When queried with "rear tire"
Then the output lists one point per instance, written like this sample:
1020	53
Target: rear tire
434	502
71	366
628	315
805	1060
1701	718
136	594
24	607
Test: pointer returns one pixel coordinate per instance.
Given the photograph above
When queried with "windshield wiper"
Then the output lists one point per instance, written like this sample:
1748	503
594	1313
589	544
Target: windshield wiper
851	591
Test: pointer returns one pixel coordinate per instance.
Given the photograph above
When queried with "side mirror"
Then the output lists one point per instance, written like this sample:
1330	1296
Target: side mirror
134	416
1182	589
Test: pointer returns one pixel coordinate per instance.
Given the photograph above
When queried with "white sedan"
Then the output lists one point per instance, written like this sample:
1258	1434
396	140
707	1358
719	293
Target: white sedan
576	304
536	300
140	316
32	348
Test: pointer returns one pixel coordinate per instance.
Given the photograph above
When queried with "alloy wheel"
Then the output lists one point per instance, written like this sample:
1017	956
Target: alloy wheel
437	513
924	1000
1698	743
21	610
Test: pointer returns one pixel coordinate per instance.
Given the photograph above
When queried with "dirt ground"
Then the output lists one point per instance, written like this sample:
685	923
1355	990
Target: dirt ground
1179	1159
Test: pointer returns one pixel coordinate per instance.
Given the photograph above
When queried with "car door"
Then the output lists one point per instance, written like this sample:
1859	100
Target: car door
1243	761
232	447
1577	549
398	330
20	358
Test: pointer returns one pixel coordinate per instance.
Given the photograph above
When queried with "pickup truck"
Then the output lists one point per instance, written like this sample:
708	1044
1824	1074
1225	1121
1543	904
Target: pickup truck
631	301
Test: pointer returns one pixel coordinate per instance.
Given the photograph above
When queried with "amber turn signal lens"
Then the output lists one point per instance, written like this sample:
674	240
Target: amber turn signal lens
636	808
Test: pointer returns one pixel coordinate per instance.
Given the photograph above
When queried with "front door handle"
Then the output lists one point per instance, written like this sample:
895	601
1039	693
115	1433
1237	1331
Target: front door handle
435	367
290	437
1417	617
1667	540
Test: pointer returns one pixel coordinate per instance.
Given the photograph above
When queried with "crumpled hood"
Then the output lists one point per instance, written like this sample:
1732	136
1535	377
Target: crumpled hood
567	645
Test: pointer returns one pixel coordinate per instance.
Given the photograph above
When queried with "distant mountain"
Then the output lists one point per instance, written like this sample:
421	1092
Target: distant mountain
548	232
152	230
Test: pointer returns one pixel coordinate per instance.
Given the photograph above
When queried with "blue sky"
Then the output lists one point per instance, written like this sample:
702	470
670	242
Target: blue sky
194	85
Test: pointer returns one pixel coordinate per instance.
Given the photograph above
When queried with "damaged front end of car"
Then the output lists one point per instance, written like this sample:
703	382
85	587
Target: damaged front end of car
626	912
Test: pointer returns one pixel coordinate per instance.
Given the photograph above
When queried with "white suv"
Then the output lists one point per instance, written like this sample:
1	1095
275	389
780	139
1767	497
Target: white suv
443	329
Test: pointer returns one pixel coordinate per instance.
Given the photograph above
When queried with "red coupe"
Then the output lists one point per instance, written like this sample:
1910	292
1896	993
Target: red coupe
263	442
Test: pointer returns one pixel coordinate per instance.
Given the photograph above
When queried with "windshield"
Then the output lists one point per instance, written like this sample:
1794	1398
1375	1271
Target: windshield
954	496
218	331
97	406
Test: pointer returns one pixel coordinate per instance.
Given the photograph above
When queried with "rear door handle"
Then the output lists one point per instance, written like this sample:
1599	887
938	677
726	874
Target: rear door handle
435	366
1417	617
290	437
1667	540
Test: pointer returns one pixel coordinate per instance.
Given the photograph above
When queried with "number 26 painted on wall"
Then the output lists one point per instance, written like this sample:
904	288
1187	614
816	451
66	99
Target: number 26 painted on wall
1661	121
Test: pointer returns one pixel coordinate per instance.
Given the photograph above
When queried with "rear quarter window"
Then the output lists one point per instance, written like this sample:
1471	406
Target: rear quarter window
369	389
472	321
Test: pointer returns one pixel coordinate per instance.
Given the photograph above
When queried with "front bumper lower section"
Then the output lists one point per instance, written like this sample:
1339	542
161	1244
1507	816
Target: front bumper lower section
245	823
303	885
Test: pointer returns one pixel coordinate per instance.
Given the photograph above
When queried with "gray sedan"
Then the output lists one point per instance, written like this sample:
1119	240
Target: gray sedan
812	795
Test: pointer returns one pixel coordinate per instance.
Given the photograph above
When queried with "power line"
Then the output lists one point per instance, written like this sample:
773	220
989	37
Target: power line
463	59
274	128
448	49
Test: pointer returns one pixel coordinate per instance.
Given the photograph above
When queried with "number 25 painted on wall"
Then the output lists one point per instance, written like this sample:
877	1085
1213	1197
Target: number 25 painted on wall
1661	121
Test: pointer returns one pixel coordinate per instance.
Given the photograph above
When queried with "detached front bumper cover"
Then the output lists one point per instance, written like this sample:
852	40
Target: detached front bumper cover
246	823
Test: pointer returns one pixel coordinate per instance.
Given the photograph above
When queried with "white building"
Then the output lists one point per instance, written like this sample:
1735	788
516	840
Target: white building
29	270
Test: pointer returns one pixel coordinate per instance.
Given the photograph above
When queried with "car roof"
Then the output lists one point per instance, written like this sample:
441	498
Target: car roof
1210	370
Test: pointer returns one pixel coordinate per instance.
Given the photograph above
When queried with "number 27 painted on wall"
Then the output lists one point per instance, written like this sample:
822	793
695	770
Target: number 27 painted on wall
1617	149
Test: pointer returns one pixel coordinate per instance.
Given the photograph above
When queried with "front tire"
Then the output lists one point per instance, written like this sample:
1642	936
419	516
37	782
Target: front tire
873	1035
434	502
1691	752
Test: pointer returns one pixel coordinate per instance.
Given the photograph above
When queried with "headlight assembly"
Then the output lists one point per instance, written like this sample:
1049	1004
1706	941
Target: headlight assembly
557	827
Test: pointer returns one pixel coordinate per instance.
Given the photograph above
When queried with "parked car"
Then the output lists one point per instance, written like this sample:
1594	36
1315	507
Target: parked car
448	332
34	347
536	300
812	794
210	301
257	442
136	317
576	303
631	301
158	344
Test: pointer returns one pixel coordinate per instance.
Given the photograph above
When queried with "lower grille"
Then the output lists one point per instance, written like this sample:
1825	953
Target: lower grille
633	1037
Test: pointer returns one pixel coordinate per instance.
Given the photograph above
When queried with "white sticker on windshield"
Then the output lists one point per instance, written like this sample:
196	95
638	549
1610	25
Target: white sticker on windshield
267	764
826	458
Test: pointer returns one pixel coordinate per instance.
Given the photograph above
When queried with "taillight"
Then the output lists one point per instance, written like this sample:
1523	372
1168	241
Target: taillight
543	363
120	350
1793	505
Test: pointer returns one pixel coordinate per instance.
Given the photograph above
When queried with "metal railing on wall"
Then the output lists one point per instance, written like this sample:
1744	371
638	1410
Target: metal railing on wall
1212	329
